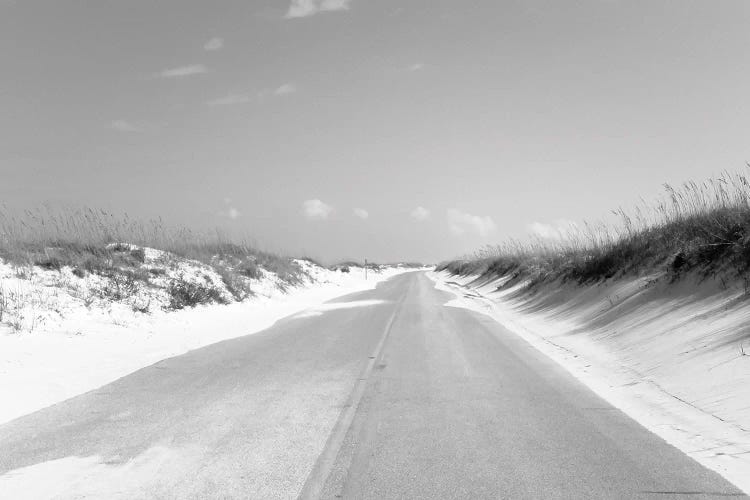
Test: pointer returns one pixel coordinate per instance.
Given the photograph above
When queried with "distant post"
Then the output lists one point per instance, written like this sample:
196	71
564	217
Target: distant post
365	269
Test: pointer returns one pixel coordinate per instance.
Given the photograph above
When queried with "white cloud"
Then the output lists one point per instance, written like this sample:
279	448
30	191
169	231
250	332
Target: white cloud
124	126
332	5
316	209
559	230
306	8
361	213
461	222
192	69
416	66
231	99
215	43
286	89
419	214
230	212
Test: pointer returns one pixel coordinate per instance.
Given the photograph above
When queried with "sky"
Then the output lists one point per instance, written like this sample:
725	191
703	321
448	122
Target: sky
379	129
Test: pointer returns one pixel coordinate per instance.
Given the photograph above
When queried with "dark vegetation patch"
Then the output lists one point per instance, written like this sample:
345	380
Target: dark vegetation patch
121	285
189	294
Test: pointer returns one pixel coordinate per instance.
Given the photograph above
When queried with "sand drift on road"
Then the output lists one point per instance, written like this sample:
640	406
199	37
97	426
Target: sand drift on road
81	348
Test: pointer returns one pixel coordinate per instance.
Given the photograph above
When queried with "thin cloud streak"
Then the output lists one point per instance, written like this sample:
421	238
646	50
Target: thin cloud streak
234	99
138	127
183	71
231	100
283	90
124	126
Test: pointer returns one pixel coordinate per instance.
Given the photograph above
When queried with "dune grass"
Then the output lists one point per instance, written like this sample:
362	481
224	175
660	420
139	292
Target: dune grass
98	242
702	227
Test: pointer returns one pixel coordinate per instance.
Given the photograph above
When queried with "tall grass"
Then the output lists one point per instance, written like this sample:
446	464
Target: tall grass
95	241
84	229
87	230
702	227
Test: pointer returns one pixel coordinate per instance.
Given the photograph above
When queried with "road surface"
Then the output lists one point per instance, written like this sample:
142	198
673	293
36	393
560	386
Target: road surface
382	394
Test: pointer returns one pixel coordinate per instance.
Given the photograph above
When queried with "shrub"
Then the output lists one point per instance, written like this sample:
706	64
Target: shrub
238	287
286	269
141	307
120	286
49	263
249	269
139	255
186	294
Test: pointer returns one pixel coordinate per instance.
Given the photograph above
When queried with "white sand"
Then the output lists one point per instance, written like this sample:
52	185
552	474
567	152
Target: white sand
67	346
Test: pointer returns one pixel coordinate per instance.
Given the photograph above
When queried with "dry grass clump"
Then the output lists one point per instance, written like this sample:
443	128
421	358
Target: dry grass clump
96	242
703	227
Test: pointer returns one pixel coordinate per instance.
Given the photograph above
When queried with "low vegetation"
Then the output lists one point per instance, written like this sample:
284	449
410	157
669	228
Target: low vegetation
700	227
347	265
121	257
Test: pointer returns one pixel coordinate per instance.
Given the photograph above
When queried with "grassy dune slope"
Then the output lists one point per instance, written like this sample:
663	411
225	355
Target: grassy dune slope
124	256
701	227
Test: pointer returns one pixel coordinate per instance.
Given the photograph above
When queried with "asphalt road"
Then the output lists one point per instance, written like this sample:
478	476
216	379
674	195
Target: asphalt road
383	394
